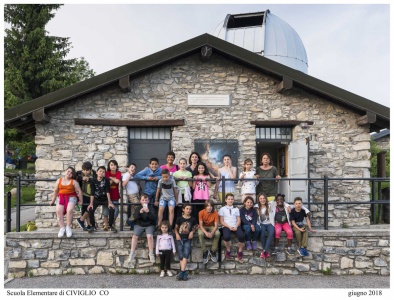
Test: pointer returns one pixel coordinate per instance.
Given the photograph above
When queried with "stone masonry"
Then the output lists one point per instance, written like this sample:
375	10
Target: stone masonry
338	147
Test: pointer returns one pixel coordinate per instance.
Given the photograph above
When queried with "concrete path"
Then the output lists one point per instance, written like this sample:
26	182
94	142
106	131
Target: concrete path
27	214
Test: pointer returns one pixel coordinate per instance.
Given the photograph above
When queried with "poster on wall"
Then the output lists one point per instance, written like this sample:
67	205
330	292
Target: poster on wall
212	151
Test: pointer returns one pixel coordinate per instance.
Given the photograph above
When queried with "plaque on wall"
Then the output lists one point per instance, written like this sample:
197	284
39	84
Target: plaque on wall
208	100
212	151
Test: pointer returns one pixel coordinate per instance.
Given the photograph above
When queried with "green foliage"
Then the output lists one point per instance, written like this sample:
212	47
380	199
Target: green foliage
28	195
375	149
327	271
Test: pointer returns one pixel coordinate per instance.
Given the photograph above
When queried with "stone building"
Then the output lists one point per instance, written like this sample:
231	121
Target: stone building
208	90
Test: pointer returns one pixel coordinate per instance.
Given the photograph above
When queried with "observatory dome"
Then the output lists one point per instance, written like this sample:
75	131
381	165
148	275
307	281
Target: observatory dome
266	35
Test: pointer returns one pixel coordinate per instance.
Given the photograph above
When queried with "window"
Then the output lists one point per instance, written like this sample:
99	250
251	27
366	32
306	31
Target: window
150	133
274	133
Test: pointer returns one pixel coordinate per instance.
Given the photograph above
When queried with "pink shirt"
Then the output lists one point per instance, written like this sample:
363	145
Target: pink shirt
201	192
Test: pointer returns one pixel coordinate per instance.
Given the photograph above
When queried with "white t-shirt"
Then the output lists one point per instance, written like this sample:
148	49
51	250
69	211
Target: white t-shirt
131	186
248	186
229	215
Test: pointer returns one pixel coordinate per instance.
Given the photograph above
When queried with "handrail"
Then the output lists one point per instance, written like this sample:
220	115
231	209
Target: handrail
325	203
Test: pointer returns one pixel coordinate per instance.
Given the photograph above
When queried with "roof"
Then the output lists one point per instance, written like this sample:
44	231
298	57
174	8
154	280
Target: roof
21	116
381	134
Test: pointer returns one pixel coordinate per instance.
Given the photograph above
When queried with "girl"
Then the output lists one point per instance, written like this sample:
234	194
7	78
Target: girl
249	223
266	217
184	187
231	221
170	166
164	245
248	187
267	170
201	187
229	172
282	222
114	177
185	226
132	193
68	189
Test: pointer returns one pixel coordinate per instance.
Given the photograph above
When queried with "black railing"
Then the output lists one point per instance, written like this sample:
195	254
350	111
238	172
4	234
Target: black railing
373	202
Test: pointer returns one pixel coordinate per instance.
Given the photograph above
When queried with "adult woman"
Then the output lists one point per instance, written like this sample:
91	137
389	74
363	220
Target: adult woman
68	189
267	170
194	158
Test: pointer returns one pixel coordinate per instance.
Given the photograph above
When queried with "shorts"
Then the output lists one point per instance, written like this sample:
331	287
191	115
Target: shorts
169	202
183	248
70	200
106	210
138	230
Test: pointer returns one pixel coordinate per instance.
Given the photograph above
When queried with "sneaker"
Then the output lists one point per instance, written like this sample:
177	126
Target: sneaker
112	228
248	246
276	251
300	251
61	232
131	256
240	255
180	275
184	276
205	257
214	256
106	227
290	251
306	253
152	258
263	255
69	233
162	273
81	224
254	245
267	254
228	254
169	273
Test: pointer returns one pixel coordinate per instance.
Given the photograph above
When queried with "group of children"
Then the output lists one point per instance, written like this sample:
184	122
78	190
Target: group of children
177	187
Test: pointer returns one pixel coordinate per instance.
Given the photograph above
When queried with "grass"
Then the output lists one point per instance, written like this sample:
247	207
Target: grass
327	271
383	185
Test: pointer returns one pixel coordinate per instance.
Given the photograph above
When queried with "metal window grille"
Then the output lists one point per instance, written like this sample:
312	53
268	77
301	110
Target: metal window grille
273	133
150	133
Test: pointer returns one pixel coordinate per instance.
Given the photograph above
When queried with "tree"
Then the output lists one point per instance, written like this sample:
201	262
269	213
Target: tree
35	63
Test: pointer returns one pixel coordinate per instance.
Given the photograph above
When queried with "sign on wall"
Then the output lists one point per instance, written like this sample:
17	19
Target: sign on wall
208	100
212	151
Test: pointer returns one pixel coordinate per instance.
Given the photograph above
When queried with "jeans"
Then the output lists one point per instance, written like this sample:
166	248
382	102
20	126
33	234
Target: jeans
266	242
183	248
248	232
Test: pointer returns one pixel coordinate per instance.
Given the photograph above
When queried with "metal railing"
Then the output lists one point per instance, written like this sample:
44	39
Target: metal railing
373	202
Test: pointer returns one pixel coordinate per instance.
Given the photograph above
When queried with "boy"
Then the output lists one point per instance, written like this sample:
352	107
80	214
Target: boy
208	220
145	220
170	166
297	216
132	192
185	226
229	172
169	196
84	177
153	174
100	196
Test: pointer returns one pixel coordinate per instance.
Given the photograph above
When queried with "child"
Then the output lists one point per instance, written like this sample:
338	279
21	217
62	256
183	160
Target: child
114	177
248	187
185	226
183	186
164	246
101	196
249	223
83	178
231	221
201	187
229	172
67	189
208	220
145	220
297	216
170	166
153	175
169	196
132	193
282	222
267	222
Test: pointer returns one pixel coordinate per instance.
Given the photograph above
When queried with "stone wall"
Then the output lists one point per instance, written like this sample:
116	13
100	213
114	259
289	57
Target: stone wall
339	252
338	147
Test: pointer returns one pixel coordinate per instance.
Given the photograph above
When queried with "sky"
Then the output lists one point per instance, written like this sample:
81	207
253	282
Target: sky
347	45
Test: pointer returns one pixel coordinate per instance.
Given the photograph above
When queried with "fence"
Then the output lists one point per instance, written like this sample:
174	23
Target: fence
373	202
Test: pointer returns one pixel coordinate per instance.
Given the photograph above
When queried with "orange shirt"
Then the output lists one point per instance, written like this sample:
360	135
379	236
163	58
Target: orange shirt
66	189
208	219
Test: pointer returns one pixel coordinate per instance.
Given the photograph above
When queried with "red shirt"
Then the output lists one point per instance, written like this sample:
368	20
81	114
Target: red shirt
114	187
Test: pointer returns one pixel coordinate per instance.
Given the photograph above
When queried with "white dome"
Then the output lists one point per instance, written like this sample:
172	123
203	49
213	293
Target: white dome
266	35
